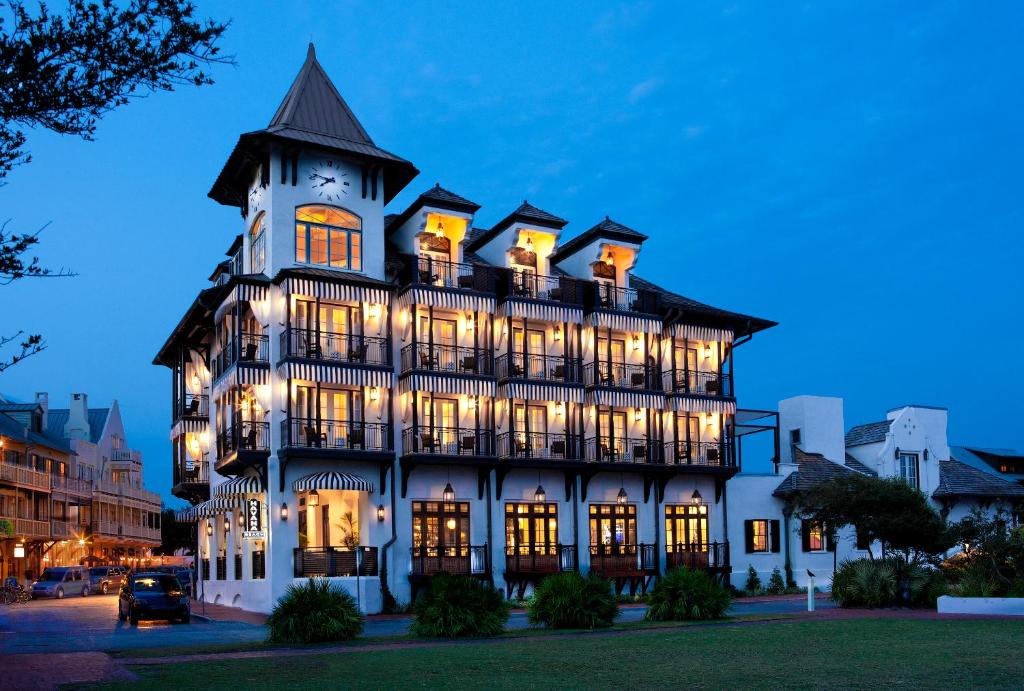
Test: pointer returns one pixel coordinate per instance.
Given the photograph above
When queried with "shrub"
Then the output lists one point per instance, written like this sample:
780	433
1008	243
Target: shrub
753	585
314	611
976	581
776	586
573	601
865	583
683	594
459	606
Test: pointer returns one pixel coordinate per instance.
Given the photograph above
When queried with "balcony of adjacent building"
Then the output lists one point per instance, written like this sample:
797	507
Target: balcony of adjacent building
17	475
542	446
125	531
527	285
192	407
111	490
539	368
191	477
606	296
318	436
448	442
71	486
697	383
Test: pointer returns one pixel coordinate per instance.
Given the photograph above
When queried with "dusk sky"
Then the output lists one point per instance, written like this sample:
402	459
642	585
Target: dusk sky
850	170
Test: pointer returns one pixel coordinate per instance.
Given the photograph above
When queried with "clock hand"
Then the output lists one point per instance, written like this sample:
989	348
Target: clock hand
326	181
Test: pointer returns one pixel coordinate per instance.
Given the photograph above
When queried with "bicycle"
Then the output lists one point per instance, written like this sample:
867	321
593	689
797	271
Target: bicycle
12	594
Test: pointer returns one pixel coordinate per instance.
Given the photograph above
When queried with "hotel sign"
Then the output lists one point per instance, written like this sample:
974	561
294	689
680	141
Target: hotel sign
253	520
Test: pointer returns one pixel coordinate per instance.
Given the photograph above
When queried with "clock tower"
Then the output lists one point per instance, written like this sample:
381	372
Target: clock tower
312	167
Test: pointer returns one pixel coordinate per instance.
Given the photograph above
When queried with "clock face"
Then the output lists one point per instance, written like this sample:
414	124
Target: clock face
328	181
255	198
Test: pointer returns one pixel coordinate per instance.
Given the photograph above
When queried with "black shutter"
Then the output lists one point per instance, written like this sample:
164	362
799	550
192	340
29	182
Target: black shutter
830	542
775	543
748	532
805	535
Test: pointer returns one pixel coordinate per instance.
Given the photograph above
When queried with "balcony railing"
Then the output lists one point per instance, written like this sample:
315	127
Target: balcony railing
70	485
341	435
124	489
611	297
551	445
27	527
339	348
446	274
259	564
622	560
194	406
552	559
244	436
623	450
248	347
707	556
622	375
545	368
527	285
466	560
698	383
699	453
198	474
311	562
122	530
448	441
447	358
222	568
25	477
60	530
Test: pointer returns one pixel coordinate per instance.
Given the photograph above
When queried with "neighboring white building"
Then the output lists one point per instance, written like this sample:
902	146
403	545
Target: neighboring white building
911	443
379	397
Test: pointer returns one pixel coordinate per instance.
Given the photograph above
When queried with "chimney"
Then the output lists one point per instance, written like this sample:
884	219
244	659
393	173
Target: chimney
43	400
77	426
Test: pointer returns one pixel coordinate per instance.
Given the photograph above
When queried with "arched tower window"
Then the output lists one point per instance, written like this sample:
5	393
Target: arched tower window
328	236
257	245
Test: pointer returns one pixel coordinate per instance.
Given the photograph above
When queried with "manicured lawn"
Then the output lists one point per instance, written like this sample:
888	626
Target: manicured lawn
865	653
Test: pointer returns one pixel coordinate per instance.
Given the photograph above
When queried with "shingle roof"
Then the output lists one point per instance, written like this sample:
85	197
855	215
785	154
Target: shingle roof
868	434
687	306
958	479
435	196
9	427
7	407
852	462
813	469
440	194
607	228
57	418
525	212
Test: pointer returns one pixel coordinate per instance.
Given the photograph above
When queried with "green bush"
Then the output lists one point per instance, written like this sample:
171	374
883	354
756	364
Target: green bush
459	606
683	594
753	585
573	601
865	583
976	581
776	586
314	611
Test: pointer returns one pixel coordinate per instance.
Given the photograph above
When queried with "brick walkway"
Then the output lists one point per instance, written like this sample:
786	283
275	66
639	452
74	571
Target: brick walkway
224	613
48	671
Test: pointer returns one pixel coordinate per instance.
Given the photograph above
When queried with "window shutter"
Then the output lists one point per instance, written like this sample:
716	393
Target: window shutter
830	543
775	542
748	531
805	535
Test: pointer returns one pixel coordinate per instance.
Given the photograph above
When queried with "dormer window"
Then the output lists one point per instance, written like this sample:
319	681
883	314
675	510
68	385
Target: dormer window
257	245
327	236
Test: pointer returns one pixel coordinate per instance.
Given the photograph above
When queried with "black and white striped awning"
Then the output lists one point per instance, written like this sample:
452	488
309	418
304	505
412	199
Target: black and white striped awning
700	333
625	399
242	292
185	515
540	312
624	322
209	509
336	374
438	383
336	292
332	479
541	392
451	299
239	487
240	375
189	426
698	404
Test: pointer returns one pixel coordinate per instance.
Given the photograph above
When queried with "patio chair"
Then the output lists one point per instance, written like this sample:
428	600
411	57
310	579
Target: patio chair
468	444
637	380
251	438
359	353
558	372
713	455
427	361
466	281
640	454
427	442
312	436
250	352
712	387
356	439
558	448
193	407
469	363
608	453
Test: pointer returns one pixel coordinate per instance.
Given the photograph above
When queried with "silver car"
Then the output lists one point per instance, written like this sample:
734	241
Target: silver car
106	579
60	581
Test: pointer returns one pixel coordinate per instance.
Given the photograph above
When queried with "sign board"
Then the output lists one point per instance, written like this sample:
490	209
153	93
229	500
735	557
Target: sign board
253	520
19	551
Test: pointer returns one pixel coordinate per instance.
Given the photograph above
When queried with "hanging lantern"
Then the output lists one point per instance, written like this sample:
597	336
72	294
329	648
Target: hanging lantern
313	499
540	494
622	498
284	512
439	230
209	528
449	493
695	497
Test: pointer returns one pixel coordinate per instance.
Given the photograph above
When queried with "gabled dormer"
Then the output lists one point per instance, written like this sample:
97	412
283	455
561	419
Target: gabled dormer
605	253
522	241
434	227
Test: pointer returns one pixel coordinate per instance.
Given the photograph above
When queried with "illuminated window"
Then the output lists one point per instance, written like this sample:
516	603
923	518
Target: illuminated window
762	535
257	246
531	528
813	536
326	236
686	528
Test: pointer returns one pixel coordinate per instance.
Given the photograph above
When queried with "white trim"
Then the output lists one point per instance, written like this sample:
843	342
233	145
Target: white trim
696	404
540	312
625	399
701	333
541	392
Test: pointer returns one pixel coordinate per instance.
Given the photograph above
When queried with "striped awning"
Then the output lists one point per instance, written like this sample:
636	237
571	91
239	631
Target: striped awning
540	312
332	479
239	487
189	426
625	399
451	299
337	292
624	322
241	374
438	383
209	509
185	515
698	404
541	392
700	333
242	292
338	373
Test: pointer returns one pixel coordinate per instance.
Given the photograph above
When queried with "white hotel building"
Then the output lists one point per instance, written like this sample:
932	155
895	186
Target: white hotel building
378	397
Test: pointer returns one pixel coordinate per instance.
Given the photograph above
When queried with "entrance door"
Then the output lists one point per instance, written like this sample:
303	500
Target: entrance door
612	528
686	535
612	432
612	373
325	525
440	537
531	537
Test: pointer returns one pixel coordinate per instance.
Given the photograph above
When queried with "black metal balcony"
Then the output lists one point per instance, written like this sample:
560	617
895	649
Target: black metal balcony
623	450
619	560
555	446
711	556
311	562
244	436
614	298
249	347
523	559
554	369
193	407
448	441
339	435
622	376
697	383
714	454
338	348
465	560
447	358
525	285
447	274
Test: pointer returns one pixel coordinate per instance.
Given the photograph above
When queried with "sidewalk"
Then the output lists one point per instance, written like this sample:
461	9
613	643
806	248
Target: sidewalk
212	612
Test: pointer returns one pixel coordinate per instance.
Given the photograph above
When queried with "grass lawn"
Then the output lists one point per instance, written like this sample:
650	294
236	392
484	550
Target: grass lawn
863	653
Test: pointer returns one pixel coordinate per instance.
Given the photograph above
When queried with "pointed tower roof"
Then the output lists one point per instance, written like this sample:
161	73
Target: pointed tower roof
312	113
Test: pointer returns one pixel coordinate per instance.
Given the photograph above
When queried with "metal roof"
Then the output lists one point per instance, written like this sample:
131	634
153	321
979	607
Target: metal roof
9	427
526	213
607	228
57	418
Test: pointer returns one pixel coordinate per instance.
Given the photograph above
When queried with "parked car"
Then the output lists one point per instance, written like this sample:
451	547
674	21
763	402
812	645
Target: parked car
106	579
153	595
59	581
183	573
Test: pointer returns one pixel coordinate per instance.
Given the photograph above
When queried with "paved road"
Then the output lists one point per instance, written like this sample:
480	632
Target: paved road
83	624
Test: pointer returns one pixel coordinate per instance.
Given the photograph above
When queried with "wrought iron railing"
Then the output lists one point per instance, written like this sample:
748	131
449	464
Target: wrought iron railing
697	556
622	375
545	368
248	347
194	406
466	560
527	285
540	559
342	435
446	274
447	358
609	297
335	347
623	450
448	441
552	445
699	453
244	436
698	383
335	561
198	473
622	560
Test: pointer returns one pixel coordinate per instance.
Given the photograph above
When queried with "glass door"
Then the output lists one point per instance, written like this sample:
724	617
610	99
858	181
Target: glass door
612	373
612	432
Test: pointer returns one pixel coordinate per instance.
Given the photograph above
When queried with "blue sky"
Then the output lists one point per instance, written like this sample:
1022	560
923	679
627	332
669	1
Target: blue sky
851	170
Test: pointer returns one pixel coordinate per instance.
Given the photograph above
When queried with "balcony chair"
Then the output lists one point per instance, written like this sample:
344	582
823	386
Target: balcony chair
640	454
359	353
250	439
469	363
427	277
312	349
713	455
428	361
555	294
520	445
607	378
356	438
250	352
515	370
427	442
193	407
314	438
466	281
558	448
558	372
468	444
712	387
608	453
637	380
